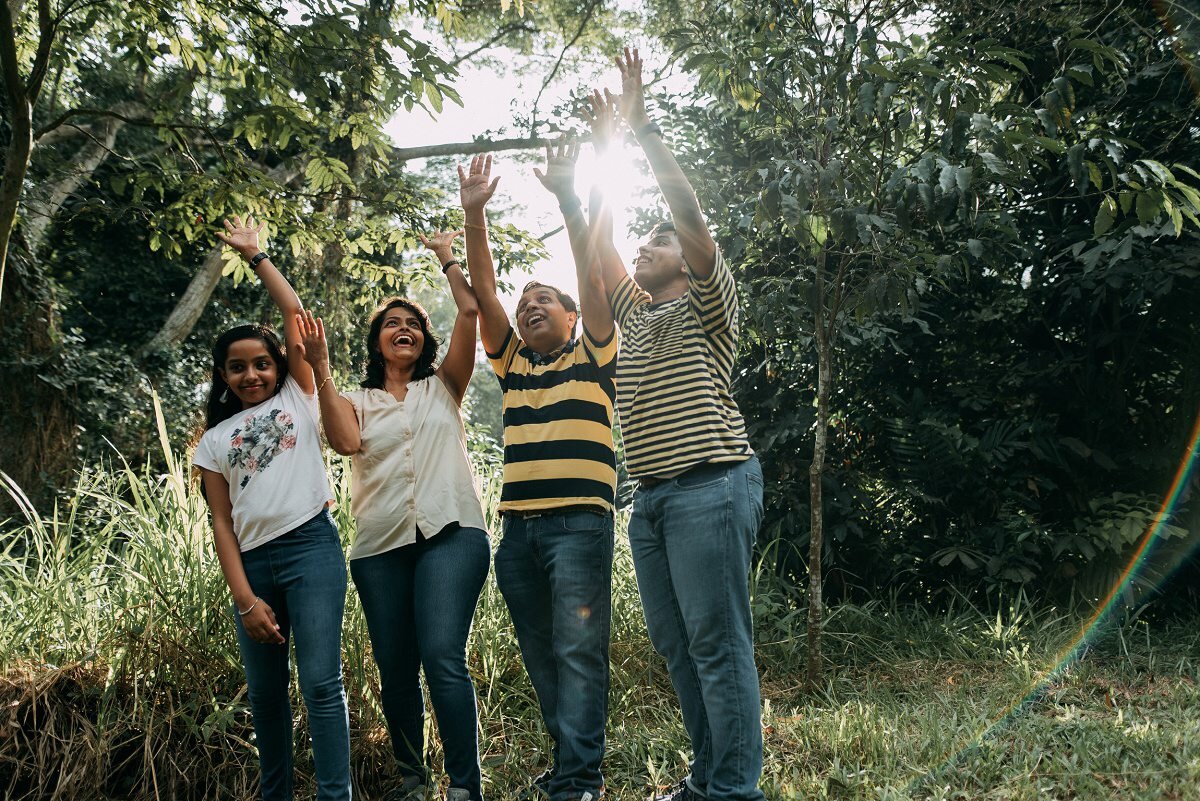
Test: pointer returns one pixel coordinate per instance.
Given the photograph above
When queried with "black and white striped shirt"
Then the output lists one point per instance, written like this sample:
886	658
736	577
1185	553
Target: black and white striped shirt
674	373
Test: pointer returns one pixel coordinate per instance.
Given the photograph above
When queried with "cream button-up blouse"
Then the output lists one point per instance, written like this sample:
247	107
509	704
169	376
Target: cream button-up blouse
412	470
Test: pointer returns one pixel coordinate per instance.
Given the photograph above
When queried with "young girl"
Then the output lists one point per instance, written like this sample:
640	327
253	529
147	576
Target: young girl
421	554
264	478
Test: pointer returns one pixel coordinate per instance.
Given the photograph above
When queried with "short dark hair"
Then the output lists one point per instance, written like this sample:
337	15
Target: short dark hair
664	227
375	369
566	300
223	404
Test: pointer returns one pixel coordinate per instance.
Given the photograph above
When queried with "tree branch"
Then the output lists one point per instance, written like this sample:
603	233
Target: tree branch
120	112
583	23
500	34
467	148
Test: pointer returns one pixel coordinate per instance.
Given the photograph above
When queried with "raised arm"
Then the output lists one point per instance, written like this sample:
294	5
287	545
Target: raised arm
459	363
603	117
559	180
337	413
475	189
243	237
699	250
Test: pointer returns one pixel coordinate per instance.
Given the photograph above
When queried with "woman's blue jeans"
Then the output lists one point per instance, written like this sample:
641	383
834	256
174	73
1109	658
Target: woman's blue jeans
302	576
692	539
419	601
555	572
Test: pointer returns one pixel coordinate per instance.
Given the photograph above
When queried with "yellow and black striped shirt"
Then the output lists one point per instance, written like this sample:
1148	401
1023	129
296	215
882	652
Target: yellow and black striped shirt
674	375
558	418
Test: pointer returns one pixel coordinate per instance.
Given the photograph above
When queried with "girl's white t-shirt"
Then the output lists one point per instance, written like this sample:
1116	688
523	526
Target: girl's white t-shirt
271	456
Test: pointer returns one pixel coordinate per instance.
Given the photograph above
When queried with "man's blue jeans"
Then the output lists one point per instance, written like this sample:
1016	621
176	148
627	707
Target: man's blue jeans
691	539
419	601
302	576
555	572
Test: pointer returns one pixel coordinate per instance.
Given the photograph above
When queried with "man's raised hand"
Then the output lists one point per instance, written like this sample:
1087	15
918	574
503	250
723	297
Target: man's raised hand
603	116
633	98
559	177
476	187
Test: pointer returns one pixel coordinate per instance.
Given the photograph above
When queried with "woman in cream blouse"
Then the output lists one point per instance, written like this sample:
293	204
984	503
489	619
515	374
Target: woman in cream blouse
421	554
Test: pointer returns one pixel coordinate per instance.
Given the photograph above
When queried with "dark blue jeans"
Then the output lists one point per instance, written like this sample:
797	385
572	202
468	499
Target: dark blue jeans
419	601
302	576
555	572
691	539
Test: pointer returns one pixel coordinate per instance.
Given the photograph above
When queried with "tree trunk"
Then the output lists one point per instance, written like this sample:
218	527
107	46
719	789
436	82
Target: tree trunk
191	305
16	163
43	207
816	472
37	430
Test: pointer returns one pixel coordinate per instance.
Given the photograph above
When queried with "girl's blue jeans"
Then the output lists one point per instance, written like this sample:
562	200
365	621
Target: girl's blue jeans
302	576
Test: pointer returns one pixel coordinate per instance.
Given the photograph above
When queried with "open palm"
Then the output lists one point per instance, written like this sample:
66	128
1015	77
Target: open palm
476	186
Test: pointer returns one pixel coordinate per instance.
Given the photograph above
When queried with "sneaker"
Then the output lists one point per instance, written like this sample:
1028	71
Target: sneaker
540	788
411	789
458	794
588	795
682	791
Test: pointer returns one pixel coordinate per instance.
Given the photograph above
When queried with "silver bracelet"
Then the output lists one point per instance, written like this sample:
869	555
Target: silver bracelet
249	608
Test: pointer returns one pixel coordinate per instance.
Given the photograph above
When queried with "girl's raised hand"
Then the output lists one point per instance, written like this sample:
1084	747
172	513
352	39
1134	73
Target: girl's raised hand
476	186
242	237
312	340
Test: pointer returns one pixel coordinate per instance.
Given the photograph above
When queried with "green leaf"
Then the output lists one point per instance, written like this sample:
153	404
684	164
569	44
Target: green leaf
962	176
946	179
1149	204
994	163
1105	217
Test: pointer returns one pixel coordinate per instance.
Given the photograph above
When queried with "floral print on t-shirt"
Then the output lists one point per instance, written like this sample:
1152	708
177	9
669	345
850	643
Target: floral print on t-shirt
259	439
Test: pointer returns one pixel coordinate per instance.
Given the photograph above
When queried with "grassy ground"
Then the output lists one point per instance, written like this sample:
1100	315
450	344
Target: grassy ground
120	679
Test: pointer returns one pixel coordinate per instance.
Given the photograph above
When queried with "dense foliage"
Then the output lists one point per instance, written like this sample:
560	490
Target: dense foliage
974	226
990	216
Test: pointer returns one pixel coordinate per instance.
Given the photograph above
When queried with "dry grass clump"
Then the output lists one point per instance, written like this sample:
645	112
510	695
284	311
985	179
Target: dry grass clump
69	734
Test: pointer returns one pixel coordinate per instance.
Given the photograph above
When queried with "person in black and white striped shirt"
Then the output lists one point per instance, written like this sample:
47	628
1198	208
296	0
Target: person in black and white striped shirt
698	506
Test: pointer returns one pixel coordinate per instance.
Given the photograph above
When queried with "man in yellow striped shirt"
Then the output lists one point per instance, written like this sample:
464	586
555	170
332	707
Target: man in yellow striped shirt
698	506
554	563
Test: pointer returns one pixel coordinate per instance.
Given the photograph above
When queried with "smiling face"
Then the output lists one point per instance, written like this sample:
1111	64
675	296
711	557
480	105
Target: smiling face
250	371
542	320
659	262
401	337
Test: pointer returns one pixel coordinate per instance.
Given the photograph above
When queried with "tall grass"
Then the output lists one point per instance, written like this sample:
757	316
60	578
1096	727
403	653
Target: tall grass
120	679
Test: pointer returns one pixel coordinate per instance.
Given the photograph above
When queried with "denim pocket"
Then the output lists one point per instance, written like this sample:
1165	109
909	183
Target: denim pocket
579	522
703	477
318	528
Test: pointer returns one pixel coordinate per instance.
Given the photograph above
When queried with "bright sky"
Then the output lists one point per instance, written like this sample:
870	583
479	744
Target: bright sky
489	102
